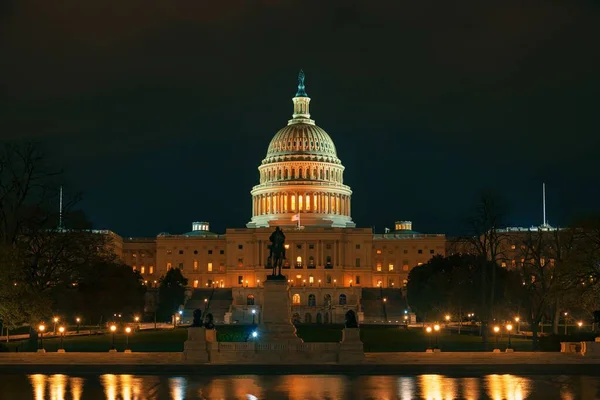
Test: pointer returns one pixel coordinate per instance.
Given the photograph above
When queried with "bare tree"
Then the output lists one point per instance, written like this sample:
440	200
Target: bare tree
486	240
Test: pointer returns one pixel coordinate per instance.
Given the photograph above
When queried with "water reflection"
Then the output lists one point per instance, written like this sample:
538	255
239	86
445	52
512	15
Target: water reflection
507	387
298	387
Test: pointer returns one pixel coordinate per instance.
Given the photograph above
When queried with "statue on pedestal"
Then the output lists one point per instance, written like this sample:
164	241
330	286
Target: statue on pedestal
197	319
277	254
351	320
209	323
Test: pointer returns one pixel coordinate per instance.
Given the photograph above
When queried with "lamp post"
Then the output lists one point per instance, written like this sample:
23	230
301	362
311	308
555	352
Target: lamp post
509	329
580	324
566	322
41	329
428	330
127	332
62	335
518	321
113	329
496	331
55	319
137	322
78	320
447	318
436	328
253	316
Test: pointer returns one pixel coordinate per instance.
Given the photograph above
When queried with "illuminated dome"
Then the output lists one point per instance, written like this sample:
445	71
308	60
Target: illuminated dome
301	175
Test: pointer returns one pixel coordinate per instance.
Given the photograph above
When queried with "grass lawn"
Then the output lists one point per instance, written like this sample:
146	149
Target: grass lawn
375	339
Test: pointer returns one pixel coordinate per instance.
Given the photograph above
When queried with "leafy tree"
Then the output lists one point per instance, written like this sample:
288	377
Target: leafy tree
171	293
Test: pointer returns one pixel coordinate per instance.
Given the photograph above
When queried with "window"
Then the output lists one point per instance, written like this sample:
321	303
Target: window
209	267
432	251
298	262
209	282
311	261
357	262
195	265
405	251
250	300
180	251
357	247
342	299
311	246
503	264
240	262
240	246
311	279
196	283
210	252
312	300
390	267
151	269
168	266
221	267
181	266
420	251
221	252
328	246
328	262
296	299
299	246
405	267
512	247
378	267
328	279
240	280
378	251
358	279
142	270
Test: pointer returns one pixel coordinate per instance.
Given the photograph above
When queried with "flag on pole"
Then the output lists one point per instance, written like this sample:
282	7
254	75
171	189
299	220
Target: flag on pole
296	217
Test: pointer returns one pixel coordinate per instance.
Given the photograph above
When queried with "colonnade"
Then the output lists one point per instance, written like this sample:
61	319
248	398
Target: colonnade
293	202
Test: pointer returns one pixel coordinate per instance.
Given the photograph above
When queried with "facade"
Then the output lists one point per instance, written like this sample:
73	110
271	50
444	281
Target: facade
329	260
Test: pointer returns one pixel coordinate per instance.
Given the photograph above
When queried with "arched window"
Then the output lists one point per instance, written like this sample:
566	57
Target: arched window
312	300
307	176
285	174
300	173
326	175
319	319
269	176
342	299
321	174
279	174
307	318
296	299
293	173
311	261
298	262
327	300
315	175
250	300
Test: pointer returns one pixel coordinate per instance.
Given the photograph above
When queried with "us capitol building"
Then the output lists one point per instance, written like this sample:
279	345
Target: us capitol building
332	266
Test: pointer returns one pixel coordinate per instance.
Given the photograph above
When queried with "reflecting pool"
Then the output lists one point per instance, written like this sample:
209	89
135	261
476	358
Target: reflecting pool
296	387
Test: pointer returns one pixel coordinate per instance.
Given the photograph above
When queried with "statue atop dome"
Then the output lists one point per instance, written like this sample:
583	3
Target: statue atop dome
301	90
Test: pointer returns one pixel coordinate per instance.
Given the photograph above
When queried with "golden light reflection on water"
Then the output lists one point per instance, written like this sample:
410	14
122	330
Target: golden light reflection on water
437	387
122	387
306	387
507	387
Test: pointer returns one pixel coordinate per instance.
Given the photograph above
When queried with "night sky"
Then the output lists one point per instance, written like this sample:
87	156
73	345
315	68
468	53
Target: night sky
161	111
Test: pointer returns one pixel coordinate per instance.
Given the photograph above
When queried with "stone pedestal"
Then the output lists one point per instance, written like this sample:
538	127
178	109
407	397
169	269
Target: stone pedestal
276	322
351	347
195	348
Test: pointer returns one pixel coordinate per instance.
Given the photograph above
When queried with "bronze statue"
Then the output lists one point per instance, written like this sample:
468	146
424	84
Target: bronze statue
197	318
277	254
351	320
209	322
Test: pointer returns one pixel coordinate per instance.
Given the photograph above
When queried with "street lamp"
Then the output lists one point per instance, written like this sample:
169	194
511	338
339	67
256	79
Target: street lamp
137	322
496	331
518	321
127	332
78	320
509	329
436	328
62	335
566	322
55	319
447	318
41	328
428	330
580	324
253	316
113	329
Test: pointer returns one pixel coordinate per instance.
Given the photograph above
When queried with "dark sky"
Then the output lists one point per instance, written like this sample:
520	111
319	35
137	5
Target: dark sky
161	111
